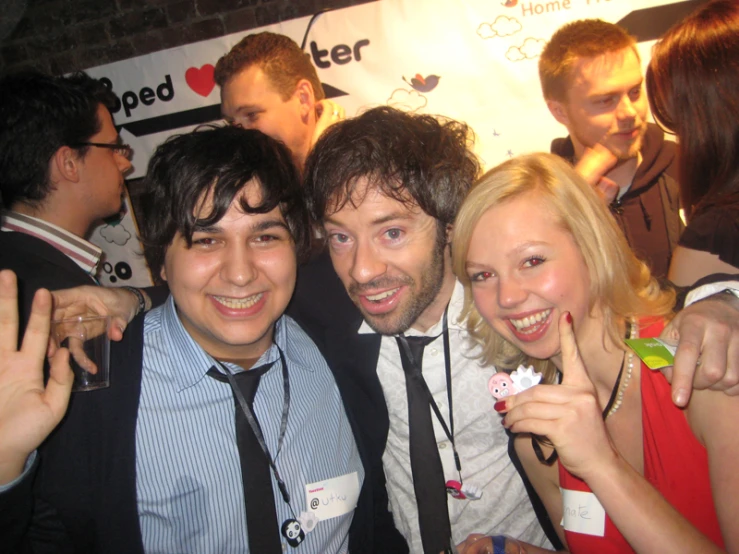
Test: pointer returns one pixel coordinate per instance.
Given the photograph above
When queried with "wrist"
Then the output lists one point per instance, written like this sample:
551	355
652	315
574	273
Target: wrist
140	298
506	545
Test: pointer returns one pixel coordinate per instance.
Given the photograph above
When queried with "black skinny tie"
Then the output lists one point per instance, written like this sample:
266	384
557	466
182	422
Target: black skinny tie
261	515
428	474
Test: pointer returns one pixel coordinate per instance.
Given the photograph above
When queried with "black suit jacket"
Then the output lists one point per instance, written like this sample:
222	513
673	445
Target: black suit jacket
81	495
37	265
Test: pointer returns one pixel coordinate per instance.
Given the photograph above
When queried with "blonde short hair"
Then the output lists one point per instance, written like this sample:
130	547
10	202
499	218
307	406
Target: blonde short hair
620	283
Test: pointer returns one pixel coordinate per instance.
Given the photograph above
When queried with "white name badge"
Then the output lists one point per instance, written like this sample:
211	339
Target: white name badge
583	513
333	497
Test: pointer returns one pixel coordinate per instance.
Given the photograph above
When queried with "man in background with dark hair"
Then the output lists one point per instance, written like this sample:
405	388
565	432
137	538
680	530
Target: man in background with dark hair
592	81
268	83
61	171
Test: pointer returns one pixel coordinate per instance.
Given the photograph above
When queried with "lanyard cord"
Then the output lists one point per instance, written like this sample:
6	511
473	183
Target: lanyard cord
251	419
448	431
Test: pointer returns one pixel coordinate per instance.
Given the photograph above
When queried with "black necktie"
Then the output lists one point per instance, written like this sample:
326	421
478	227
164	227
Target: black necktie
261	515
428	474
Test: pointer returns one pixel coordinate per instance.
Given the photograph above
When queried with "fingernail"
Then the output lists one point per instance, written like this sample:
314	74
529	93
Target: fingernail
499	406
568	317
502	421
681	397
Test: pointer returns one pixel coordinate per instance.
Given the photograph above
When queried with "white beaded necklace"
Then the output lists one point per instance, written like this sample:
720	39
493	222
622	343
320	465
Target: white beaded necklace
629	370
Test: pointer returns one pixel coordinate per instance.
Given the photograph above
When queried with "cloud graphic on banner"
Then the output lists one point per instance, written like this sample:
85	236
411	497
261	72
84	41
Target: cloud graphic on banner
116	234
201	80
531	48
502	27
408	100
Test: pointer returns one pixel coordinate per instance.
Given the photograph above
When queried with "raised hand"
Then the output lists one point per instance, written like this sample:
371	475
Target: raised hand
568	414
593	166
28	410
328	112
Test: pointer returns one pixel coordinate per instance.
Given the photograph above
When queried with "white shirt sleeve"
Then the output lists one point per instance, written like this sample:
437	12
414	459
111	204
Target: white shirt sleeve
705	291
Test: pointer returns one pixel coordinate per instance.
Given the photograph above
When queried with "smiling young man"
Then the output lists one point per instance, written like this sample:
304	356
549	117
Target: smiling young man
592	81
386	186
171	443
61	172
268	83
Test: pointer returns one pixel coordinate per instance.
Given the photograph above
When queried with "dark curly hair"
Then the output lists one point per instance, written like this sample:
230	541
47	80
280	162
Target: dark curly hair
218	162
412	158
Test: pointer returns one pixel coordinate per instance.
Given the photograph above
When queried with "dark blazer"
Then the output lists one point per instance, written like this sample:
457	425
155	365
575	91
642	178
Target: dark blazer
324	310
37	265
83	499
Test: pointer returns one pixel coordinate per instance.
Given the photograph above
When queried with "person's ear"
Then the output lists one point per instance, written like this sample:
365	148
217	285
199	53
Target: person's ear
559	111
66	164
163	273
449	233
306	97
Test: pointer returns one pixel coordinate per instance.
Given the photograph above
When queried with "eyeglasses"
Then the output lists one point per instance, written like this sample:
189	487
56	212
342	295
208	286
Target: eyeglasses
124	150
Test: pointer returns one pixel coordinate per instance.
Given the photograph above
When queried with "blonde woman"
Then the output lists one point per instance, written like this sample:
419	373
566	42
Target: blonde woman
550	281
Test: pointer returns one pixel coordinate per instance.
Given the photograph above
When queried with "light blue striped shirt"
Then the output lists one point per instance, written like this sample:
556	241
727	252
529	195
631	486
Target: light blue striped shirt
188	475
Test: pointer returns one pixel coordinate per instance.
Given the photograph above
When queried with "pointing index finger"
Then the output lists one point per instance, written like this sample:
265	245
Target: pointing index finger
573	369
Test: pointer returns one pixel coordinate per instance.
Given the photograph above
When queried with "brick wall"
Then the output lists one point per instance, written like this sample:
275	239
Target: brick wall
59	36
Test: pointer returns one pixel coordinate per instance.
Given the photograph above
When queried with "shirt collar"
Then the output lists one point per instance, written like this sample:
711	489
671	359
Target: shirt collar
454	315
83	253
199	361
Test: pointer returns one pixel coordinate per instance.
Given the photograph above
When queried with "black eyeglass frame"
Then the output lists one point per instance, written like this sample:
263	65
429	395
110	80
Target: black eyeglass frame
121	149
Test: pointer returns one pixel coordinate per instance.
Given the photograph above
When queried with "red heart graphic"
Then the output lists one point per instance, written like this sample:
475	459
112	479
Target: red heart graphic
201	80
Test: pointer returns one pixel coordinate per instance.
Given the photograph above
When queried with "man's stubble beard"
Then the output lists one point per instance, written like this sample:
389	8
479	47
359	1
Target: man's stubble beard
394	323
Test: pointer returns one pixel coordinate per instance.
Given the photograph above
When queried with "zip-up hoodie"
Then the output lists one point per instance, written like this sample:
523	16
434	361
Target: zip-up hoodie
648	212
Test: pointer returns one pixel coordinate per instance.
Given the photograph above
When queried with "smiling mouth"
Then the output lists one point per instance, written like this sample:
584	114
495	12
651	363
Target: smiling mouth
239	303
529	323
379	297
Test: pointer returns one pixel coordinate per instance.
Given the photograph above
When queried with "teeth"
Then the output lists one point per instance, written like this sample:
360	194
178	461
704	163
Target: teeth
521	324
239	303
381	296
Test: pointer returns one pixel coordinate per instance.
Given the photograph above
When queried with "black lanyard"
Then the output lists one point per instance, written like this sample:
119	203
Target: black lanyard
448	431
251	419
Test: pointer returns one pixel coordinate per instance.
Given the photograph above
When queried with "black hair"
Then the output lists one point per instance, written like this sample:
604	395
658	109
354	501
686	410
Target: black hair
38	115
412	158
216	162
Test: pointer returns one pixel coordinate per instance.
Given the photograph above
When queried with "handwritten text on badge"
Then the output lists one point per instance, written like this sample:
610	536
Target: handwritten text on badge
583	513
333	497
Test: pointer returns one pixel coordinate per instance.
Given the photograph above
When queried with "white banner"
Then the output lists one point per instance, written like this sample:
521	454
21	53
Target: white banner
472	60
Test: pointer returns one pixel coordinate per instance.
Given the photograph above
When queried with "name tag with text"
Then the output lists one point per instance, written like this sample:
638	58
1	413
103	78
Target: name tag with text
582	513
333	497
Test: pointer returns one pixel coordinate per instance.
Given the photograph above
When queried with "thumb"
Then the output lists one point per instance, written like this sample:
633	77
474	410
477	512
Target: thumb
573	369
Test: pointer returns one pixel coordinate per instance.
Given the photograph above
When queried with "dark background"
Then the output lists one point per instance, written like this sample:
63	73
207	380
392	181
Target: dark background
61	36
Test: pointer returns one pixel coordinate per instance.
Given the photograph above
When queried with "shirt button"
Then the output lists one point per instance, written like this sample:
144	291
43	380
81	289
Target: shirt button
433	351
442	445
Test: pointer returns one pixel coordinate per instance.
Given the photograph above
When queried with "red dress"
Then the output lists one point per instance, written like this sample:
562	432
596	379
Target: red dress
675	463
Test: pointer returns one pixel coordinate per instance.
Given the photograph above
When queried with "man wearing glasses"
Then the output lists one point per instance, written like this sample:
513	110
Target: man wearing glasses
61	172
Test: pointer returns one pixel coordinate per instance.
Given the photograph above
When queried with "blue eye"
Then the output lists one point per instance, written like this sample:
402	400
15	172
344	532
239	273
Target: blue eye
394	234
